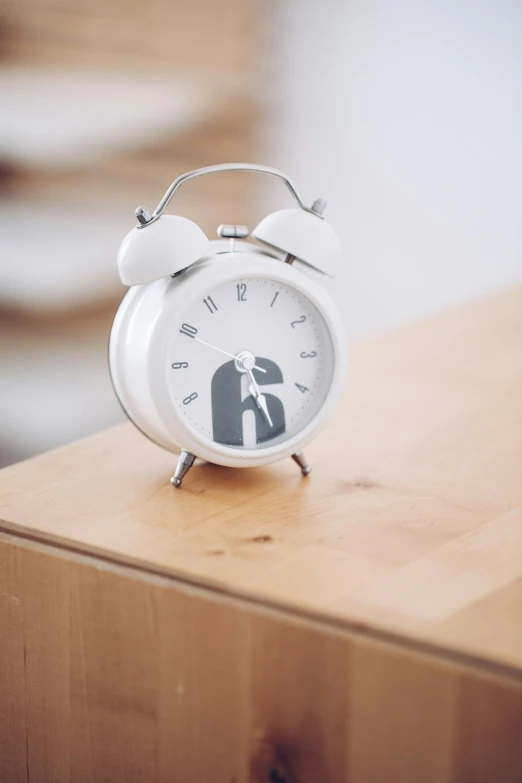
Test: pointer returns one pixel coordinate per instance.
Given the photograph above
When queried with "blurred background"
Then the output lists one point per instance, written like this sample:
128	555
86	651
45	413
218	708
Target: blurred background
406	116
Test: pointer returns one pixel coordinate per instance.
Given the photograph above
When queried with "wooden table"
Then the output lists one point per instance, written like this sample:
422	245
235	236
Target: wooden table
362	625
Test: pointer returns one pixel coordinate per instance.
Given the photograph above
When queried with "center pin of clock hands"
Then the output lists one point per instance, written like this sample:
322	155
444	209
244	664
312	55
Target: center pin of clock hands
232	355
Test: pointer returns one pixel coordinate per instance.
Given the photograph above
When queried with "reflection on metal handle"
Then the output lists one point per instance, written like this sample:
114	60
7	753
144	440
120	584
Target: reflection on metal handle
251	167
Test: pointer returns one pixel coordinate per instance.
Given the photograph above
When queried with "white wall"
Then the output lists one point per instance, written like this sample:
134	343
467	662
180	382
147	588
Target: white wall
407	117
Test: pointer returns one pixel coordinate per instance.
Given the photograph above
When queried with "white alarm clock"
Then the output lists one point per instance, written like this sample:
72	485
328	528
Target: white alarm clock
229	350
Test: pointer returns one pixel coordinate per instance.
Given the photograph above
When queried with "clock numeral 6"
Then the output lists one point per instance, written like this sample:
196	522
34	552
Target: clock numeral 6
191	397
188	330
310	355
180	365
299	321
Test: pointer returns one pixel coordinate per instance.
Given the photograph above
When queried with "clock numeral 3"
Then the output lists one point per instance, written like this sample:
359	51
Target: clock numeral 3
212	306
180	365
191	397
241	292
310	355
299	321
302	388
188	330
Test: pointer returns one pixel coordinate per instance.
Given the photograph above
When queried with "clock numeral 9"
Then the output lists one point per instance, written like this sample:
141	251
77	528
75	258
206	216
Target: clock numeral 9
310	355
180	365
188	330
299	321
191	397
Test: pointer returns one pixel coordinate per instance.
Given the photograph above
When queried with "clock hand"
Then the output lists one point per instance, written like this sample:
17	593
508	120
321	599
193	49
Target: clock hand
232	355
261	404
259	397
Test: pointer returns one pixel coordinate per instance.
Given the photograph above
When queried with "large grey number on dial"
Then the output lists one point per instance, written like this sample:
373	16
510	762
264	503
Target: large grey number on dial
228	407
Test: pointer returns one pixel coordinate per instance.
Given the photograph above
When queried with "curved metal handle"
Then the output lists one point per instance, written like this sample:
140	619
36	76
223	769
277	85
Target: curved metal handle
146	219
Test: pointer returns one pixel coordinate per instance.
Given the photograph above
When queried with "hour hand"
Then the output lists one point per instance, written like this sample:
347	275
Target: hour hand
259	397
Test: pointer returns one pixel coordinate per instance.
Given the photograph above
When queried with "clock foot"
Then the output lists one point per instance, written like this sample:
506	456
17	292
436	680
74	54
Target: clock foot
185	462
300	458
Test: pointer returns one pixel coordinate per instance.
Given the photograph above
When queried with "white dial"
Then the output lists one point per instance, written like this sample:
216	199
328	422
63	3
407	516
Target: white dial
250	363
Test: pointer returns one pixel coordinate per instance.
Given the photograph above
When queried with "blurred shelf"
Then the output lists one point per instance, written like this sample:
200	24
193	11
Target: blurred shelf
73	117
206	34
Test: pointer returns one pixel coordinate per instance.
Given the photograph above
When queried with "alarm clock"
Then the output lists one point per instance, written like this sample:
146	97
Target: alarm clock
229	350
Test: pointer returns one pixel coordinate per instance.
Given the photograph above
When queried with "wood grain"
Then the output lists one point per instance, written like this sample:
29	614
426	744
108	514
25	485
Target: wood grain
364	624
112	674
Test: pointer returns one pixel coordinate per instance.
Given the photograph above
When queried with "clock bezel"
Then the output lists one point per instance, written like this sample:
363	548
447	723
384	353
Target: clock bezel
211	276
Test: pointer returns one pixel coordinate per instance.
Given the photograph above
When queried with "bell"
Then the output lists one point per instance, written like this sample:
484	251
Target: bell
166	246
304	235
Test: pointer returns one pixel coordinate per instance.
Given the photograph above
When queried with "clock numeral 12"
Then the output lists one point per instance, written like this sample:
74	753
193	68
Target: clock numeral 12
188	330
212	306
241	292
302	388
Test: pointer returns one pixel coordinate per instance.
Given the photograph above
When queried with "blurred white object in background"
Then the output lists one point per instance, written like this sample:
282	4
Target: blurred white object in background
407	118
58	260
69	117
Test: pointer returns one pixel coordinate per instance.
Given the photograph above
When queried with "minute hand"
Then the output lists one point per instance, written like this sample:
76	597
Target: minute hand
258	396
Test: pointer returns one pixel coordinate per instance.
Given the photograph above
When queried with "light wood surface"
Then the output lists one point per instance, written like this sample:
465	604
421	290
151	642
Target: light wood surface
361	625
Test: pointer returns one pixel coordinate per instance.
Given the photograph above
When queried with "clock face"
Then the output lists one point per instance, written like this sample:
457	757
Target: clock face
250	363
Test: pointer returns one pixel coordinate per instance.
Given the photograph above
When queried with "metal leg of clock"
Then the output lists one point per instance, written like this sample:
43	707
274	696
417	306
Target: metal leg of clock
185	462
300	458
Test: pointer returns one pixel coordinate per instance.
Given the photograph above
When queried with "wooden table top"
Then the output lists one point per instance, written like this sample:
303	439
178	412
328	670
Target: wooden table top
409	527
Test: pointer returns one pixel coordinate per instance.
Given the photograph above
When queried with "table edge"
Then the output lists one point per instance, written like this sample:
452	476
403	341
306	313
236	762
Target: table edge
15	534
